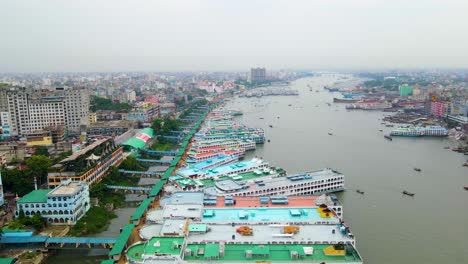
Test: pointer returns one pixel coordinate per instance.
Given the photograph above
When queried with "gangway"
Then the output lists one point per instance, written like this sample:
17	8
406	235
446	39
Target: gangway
129	188
142	173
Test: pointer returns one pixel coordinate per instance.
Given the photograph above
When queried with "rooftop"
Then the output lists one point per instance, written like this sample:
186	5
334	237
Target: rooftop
274	253
183	197
84	150
222	170
269	182
266	214
36	196
154	246
66	189
248	201
263	234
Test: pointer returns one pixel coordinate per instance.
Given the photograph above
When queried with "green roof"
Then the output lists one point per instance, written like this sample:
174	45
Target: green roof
276	253
160	245
261	250
108	261
148	131
135	143
156	189
197	228
7	260
141	209
36	196
211	251
122	240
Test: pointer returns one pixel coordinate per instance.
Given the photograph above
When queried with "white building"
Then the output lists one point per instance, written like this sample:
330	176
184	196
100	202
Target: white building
46	112
30	110
65	204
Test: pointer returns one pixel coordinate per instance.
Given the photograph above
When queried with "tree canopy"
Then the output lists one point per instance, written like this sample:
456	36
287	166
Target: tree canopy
100	103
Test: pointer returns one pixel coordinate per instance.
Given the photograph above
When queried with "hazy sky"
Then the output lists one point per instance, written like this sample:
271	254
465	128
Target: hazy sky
172	35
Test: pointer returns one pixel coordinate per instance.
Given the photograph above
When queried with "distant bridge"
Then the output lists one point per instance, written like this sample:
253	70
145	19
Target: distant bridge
13	242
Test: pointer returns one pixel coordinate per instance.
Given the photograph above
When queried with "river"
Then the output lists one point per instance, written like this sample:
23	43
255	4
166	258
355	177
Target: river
430	227
389	227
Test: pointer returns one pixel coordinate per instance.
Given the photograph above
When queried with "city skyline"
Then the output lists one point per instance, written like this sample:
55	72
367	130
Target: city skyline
113	36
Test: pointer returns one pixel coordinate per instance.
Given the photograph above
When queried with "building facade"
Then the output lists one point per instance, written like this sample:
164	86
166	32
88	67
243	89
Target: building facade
257	74
29	110
440	108
87	165
65	204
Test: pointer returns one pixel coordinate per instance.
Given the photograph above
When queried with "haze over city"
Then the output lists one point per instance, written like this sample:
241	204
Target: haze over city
62	36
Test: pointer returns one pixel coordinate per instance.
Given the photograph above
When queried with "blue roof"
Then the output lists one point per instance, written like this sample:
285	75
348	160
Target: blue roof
223	169
21	240
207	163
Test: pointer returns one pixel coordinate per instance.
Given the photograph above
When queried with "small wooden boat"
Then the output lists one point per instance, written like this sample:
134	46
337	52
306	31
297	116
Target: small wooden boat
407	193
380	130
330	134
262	118
388	137
271	126
289	104
466	188
359	191
417	169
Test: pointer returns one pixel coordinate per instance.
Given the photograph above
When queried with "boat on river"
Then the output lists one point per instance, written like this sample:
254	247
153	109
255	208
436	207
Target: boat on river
345	100
407	193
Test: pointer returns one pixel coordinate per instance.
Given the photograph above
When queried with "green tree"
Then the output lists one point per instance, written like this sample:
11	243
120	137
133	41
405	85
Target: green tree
41	151
100	103
17	181
130	163
37	166
37	222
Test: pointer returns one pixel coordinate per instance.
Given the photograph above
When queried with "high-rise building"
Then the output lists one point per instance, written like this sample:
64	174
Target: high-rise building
257	74
26	110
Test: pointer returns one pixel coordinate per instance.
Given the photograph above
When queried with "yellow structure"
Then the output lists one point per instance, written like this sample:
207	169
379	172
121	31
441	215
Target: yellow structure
336	250
92	118
245	230
290	229
39	141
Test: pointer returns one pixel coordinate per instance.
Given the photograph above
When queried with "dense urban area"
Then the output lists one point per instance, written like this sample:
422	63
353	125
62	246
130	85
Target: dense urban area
76	147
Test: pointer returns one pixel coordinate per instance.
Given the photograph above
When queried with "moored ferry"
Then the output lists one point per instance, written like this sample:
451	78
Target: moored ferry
431	131
247	144
224	170
199	157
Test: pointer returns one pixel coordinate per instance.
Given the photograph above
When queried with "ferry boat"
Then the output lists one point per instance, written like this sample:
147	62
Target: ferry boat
199	157
201	145
435	131
345	100
407	132
307	183
213	162
224	170
431	131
